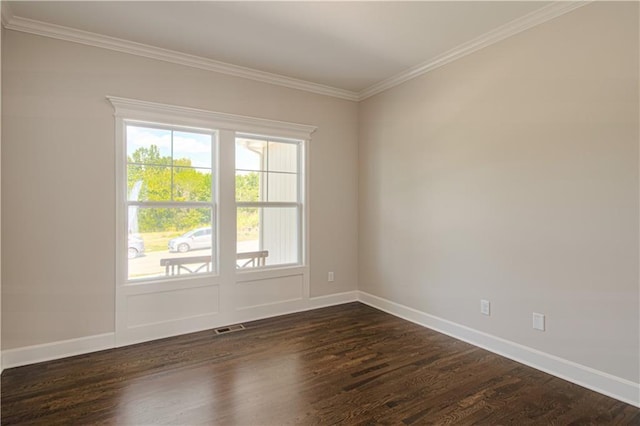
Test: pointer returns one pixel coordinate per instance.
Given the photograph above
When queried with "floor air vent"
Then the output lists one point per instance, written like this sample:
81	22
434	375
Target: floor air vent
229	329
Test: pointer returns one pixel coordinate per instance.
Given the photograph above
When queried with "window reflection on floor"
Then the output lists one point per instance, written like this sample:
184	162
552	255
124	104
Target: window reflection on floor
241	394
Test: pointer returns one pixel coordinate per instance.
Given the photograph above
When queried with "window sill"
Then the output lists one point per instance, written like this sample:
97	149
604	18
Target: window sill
270	272
177	282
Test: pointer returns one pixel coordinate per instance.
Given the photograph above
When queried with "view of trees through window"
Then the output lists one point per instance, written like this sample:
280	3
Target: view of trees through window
170	201
188	183
267	201
248	188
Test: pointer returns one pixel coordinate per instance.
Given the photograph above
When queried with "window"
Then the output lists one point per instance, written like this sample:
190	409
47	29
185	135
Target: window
170	200
268	201
181	263
182	220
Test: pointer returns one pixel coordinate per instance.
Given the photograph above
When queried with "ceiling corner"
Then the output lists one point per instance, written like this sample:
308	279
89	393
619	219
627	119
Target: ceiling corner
533	19
6	13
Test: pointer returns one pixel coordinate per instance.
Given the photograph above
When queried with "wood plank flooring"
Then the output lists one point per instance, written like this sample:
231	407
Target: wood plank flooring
347	364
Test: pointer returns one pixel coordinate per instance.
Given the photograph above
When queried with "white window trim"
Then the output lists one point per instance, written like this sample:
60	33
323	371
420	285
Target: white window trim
227	126
213	204
225	311
299	204
193	117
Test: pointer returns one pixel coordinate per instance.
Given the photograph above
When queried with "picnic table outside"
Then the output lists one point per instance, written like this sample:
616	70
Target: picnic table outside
195	264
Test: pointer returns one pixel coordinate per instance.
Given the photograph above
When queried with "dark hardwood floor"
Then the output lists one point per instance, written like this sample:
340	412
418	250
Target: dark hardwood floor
347	364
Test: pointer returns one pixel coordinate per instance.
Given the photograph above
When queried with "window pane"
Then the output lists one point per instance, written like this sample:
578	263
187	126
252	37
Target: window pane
261	155
148	146
165	242
148	183
248	186
191	184
267	236
250	154
282	157
282	187
191	149
262	186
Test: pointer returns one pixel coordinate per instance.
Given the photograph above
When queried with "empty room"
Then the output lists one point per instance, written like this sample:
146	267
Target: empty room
268	213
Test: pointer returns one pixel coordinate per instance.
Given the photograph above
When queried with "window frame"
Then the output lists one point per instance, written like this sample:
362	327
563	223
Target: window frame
212	204
299	204
227	127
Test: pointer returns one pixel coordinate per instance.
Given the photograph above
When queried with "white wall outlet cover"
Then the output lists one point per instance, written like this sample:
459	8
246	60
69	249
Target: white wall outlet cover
485	307
330	277
538	321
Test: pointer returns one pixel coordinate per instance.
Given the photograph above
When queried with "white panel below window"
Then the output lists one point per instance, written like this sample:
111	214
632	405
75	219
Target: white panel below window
154	308
251	294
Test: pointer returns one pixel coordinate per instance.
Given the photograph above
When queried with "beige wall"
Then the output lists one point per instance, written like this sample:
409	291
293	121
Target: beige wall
512	175
58	176
1	36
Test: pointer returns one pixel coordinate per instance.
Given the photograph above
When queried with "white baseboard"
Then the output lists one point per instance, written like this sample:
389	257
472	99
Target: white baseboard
164	329
601	382
56	350
291	307
333	299
83	345
604	383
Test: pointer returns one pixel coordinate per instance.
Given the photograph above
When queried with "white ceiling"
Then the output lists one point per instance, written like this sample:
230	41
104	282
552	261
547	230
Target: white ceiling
344	45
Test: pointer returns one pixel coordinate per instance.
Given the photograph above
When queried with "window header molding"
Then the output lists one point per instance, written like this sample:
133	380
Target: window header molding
186	116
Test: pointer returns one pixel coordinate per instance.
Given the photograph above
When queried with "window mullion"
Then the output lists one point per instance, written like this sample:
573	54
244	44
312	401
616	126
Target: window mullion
171	204
258	204
171	169
279	237
160	233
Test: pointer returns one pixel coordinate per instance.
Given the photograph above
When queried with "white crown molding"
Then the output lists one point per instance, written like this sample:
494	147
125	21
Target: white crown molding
31	26
512	28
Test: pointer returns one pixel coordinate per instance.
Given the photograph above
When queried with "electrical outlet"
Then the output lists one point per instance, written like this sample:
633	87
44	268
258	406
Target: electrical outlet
331	277
485	307
538	321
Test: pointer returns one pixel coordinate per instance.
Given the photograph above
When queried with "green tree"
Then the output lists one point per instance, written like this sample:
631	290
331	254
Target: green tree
248	189
163	182
146	165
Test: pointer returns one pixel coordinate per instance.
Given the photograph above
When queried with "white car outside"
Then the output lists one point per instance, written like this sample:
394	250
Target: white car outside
195	239
136	247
